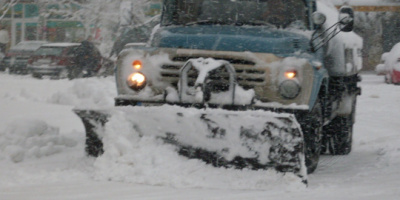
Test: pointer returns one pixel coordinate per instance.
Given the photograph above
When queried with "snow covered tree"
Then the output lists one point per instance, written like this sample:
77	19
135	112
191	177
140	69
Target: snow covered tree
100	18
380	31
369	27
391	31
5	6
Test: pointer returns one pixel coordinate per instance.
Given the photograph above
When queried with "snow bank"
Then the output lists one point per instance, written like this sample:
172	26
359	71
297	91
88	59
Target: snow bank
96	91
30	138
92	92
371	171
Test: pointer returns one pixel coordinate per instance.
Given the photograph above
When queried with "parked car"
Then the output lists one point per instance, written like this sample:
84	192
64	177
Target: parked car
53	59
57	60
17	57
391	68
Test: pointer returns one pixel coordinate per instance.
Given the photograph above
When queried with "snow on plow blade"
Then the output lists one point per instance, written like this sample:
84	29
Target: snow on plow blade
254	139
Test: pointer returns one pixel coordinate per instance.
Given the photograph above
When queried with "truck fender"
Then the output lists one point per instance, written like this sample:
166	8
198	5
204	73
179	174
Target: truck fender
320	81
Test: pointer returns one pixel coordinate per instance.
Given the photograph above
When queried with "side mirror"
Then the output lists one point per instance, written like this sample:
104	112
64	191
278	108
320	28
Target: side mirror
346	19
345	24
318	18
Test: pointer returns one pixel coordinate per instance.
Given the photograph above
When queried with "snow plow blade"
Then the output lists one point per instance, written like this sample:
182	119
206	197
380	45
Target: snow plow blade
254	139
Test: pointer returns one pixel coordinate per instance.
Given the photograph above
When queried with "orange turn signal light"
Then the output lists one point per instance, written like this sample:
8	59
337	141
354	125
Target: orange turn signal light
290	74
137	64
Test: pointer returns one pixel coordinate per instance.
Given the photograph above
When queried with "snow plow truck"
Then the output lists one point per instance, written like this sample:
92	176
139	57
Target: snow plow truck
253	84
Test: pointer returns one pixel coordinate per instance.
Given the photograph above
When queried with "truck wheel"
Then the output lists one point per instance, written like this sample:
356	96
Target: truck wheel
311	126
338	134
338	140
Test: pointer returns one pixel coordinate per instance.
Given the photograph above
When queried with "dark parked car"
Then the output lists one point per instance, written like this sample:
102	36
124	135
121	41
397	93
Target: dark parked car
58	61
53	59
17	57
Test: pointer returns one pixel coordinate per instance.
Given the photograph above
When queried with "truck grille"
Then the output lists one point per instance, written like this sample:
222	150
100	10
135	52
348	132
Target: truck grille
296	43
247	75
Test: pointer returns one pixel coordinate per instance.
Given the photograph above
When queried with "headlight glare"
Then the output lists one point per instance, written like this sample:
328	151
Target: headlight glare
136	81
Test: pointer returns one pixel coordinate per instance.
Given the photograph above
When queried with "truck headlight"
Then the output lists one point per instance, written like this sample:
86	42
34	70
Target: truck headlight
136	81
289	89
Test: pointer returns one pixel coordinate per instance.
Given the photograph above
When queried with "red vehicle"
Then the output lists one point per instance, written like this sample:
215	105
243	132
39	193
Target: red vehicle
391	67
58	61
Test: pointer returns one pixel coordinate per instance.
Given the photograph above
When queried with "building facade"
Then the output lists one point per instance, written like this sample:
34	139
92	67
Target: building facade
30	20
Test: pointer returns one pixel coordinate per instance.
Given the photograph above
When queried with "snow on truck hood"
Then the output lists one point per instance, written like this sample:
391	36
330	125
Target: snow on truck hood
263	39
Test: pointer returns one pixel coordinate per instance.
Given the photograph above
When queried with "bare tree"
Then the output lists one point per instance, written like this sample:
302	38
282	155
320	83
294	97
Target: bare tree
5	6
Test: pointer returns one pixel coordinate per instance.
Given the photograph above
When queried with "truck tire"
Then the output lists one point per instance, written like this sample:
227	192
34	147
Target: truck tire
338	134
339	137
311	125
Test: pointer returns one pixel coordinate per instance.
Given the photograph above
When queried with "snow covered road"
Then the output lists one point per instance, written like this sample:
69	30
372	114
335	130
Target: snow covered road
52	164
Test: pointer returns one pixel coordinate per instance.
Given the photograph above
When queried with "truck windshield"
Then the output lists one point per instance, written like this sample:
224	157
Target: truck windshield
280	13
